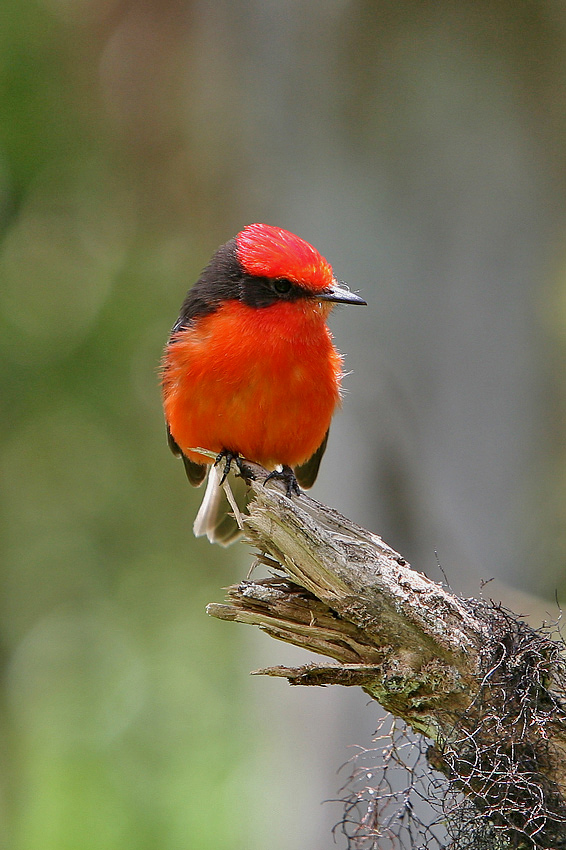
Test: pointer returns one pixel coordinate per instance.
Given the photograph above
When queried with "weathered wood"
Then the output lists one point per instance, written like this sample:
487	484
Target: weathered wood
475	680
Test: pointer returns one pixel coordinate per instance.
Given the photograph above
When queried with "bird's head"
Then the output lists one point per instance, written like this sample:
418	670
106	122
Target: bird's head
282	266
261	267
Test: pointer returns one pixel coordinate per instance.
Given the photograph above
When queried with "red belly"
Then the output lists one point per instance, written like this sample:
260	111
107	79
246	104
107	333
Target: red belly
263	382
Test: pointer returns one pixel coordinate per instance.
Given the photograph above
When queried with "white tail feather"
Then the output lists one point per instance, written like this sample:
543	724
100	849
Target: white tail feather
220	514
205	520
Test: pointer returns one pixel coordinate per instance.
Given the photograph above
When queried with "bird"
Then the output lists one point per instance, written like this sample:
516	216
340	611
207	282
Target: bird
250	370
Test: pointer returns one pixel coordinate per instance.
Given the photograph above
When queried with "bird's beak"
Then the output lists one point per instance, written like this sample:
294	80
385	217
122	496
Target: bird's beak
339	293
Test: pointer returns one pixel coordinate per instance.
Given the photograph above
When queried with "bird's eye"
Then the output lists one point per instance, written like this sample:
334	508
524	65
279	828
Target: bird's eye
281	285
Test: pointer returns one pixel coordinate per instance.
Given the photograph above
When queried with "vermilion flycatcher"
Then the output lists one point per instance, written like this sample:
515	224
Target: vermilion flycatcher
250	370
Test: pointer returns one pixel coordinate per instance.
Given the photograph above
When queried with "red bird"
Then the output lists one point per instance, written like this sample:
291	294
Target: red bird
250	370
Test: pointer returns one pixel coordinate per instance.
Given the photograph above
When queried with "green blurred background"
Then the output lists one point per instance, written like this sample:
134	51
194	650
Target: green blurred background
422	148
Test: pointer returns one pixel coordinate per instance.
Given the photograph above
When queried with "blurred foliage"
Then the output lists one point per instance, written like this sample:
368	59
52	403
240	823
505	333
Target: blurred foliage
118	712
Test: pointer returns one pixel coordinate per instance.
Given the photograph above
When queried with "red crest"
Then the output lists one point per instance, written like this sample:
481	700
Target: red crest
273	252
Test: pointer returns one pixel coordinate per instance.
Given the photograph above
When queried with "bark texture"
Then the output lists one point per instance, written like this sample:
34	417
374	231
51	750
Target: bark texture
482	685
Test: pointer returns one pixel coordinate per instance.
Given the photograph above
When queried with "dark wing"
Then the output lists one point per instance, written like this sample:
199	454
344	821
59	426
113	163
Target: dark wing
219	281
306	473
196	472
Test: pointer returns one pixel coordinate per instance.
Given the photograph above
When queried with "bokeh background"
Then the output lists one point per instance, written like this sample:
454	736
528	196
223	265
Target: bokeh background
421	146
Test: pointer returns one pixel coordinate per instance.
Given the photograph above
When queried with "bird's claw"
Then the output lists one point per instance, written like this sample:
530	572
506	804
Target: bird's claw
229	458
287	476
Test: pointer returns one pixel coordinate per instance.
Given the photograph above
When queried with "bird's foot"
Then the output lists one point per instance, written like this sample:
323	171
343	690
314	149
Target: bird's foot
229	458
287	476
233	457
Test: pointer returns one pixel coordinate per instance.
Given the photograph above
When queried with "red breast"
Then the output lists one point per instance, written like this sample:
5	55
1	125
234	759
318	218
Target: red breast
263	382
